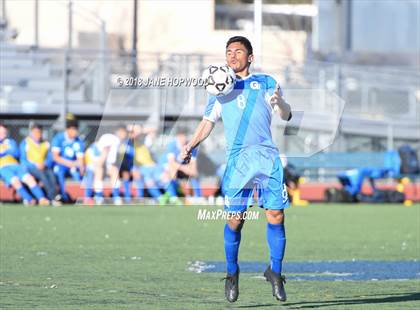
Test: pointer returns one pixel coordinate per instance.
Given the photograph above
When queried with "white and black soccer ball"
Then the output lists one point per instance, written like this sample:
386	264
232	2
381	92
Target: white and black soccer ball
219	80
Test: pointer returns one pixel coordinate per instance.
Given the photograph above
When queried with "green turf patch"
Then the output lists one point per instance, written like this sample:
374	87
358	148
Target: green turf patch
136	257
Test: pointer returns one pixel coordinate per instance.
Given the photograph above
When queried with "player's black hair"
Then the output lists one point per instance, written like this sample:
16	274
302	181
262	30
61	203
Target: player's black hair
242	40
3	125
71	121
121	126
33	125
181	130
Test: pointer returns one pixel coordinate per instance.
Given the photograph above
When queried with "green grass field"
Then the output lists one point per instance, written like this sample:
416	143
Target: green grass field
136	257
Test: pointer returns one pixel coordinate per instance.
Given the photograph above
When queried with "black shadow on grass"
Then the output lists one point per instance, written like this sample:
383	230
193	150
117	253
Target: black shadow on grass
359	301
257	306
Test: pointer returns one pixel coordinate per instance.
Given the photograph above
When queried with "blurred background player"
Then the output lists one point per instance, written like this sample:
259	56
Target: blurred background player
172	167
35	156
92	155
67	153
126	160
14	174
108	146
145	168
293	180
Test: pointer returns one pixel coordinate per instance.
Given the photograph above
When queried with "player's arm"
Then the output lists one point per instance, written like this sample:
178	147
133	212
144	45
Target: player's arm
280	105
22	147
189	169
201	133
13	150
173	165
55	150
81	163
81	158
60	160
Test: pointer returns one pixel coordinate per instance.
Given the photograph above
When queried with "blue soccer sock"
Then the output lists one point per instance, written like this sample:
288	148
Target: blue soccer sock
154	192
116	192
276	238
89	183
37	191
99	194
62	183
232	240
88	192
24	194
195	184
171	190
127	192
140	188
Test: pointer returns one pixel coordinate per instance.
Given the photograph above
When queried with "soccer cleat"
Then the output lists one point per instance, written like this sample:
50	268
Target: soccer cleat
117	201
99	200
56	203
43	202
88	201
29	202
175	201
232	286
163	199
277	283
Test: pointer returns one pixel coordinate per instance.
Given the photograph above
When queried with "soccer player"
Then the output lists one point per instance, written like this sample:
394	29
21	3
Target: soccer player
108	146
36	157
252	161
145	171
14	174
91	157
68	152
126	160
172	166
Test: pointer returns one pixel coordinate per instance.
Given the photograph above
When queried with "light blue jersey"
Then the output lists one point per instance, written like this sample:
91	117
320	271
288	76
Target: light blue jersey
68	148
246	113
253	161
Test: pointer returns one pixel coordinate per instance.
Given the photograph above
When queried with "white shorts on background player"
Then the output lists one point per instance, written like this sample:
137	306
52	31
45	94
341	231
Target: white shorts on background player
112	142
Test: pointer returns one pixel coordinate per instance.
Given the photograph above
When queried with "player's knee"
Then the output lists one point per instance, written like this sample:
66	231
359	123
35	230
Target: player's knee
125	175
29	180
136	174
236	224
275	216
15	183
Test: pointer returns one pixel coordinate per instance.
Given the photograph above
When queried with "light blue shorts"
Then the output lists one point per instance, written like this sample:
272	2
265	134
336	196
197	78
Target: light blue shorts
255	174
8	172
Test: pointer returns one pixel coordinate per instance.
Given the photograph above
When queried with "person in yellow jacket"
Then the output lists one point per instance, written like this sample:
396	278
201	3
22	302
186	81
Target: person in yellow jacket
144	169
14	174
35	156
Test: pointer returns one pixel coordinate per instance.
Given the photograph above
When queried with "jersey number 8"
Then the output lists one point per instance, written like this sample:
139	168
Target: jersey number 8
240	101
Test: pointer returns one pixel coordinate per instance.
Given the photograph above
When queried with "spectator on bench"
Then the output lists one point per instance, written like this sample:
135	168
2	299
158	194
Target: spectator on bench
14	174
35	156
145	172
68	152
172	168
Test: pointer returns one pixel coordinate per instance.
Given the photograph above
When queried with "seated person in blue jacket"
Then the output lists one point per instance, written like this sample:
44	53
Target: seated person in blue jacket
35	156
352	180
172	167
14	174
67	152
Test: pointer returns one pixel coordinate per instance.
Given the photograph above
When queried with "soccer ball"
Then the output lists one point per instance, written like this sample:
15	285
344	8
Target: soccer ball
219	80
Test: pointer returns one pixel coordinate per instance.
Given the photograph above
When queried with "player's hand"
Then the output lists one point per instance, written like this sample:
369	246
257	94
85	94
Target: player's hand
72	164
276	98
186	154
40	166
